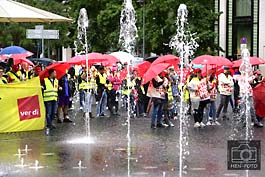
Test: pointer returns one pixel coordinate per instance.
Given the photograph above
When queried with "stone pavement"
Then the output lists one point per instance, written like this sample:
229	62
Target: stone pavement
154	152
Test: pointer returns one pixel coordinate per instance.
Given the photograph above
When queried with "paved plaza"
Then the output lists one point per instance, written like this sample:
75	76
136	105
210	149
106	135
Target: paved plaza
154	152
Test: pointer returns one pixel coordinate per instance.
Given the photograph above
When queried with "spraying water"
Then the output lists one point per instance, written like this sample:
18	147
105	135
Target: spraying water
128	34
81	45
184	43
83	24
246	72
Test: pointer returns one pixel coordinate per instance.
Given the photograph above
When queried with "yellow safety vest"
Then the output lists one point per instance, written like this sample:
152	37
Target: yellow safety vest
102	78
14	77
93	83
129	85
110	86
51	92
142	88
85	85
3	80
170	94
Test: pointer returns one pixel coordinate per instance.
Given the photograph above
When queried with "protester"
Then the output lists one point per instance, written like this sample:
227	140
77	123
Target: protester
200	97
246	99
63	99
257	78
2	78
226	86
50	95
213	97
236	90
157	93
101	96
113	94
14	75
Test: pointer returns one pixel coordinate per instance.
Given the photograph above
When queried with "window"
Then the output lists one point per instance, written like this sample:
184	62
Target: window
243	8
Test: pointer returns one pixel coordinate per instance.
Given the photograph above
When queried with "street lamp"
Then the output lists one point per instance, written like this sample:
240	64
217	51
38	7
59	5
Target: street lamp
143	3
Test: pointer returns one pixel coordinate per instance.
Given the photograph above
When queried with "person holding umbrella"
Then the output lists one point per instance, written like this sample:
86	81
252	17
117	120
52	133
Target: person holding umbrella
156	92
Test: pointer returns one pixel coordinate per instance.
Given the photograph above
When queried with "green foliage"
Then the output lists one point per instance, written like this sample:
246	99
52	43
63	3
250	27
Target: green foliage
103	32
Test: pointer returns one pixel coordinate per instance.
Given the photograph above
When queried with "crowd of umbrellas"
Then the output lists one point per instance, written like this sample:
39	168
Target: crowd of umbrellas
146	69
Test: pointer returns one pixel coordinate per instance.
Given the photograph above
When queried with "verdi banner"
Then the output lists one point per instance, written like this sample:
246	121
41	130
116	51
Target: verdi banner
21	106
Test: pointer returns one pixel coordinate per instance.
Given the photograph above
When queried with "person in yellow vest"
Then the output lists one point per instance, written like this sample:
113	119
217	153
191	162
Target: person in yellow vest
2	78
86	90
14	75
101	96
50	96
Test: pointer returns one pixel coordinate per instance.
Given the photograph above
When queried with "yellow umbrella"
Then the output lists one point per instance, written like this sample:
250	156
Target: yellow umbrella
11	11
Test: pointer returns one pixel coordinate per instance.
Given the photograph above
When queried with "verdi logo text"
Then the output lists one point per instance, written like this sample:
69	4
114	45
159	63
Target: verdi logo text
28	108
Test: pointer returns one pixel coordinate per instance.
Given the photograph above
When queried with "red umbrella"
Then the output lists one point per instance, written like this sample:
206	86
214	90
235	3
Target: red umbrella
110	60
171	59
253	61
211	60
60	68
92	59
142	68
18	60
22	60
259	97
153	71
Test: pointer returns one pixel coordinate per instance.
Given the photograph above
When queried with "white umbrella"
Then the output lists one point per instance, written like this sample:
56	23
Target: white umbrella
123	57
11	11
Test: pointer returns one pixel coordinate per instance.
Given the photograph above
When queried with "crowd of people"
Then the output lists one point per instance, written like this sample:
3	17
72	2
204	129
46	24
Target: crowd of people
114	90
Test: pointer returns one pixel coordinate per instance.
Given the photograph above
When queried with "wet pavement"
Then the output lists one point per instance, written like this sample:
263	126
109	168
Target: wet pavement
153	152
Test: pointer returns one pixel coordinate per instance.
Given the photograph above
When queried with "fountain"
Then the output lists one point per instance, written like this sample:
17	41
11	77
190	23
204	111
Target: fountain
243	82
36	166
127	39
26	149
22	164
79	167
184	43
19	154
83	24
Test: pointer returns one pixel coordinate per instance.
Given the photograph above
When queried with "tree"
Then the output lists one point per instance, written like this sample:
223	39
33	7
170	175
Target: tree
104	15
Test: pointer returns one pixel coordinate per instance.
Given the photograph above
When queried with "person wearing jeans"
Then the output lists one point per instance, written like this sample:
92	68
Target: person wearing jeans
101	96
156	91
226	86
211	118
157	112
50	96
51	109
101	105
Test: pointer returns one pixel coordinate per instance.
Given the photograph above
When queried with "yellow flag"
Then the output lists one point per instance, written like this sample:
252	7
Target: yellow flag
21	106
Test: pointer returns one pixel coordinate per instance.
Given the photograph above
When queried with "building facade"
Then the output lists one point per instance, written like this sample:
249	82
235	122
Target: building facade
238	19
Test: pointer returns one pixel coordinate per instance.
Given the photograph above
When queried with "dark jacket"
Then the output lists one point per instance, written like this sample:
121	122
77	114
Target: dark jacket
62	84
